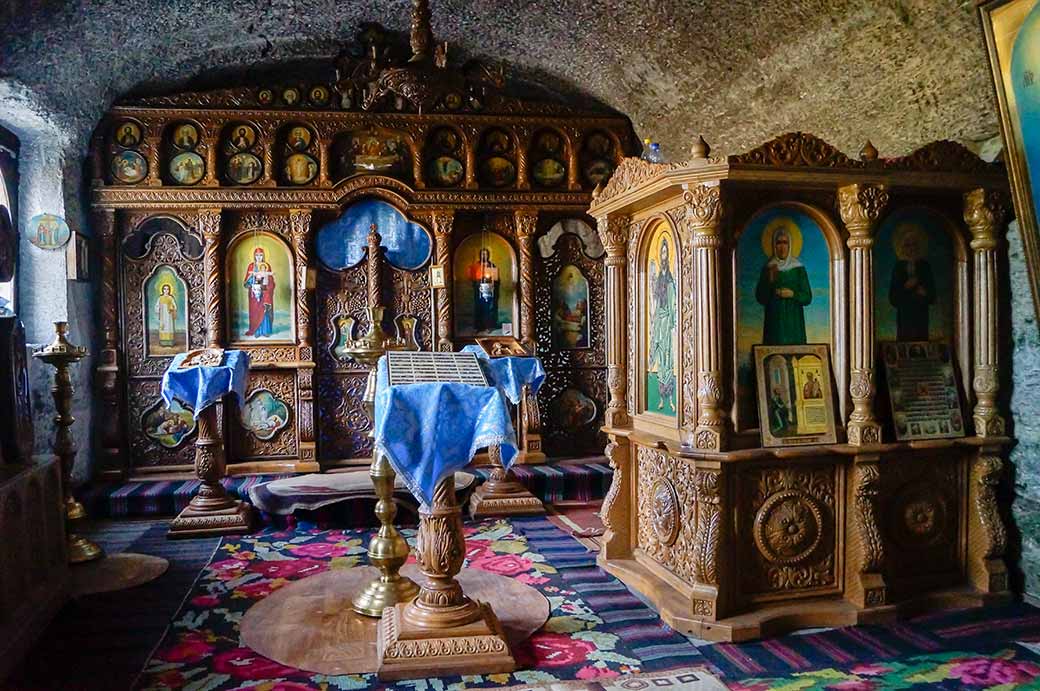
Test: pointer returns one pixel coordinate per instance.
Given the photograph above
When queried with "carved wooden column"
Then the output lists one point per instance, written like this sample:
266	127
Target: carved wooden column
613	232
211	178
573	165
213	268
523	141
707	598
418	135
865	581
618	535
265	138
471	144
153	147
861	206
526	226
441	632
987	535
299	233
984	215
443	221
704	224
108	379
324	160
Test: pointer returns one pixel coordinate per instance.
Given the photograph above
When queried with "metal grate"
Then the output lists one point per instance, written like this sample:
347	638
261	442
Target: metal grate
405	367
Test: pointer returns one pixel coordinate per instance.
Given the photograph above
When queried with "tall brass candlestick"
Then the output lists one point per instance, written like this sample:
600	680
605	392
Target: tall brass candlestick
60	354
387	550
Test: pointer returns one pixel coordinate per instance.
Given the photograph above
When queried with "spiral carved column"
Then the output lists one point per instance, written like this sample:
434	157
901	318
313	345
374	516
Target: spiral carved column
299	230
984	214
703	220
442	632
526	226
861	206
613	232
443	221
213	268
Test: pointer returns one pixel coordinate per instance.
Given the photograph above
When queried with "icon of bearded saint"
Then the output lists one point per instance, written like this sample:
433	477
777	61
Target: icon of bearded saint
259	283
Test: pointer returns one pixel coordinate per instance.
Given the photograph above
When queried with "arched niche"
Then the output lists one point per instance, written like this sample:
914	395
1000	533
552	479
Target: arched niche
445	164
658	366
342	243
297	147
138	243
921	280
592	246
485	280
261	291
165	309
547	158
242	153
814	272
497	156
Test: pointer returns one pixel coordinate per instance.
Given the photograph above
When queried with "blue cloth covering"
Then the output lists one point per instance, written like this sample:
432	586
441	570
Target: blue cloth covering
428	431
511	374
201	387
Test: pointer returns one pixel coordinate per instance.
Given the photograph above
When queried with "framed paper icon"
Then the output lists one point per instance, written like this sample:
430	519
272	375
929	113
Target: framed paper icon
795	399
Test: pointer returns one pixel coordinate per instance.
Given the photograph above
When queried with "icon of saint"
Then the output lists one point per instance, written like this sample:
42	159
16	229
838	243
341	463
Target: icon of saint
783	290
259	284
166	314
483	274
241	138
661	356
912	288
811	388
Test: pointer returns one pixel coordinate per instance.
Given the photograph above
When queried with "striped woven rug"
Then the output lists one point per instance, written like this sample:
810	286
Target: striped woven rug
578	481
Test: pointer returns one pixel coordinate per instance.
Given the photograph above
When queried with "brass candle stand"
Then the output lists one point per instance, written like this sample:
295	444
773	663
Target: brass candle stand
60	354
387	550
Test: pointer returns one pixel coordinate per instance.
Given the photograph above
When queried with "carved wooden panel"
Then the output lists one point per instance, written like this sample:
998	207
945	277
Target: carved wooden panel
144	450
667	505
342	423
574	395
164	249
246	445
921	521
786	529
339	294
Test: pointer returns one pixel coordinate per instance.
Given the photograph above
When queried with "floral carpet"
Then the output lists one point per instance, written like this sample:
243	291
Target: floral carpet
599	635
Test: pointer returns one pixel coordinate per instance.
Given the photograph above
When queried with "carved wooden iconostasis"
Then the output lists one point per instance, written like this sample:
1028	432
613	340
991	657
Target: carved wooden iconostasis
238	217
722	531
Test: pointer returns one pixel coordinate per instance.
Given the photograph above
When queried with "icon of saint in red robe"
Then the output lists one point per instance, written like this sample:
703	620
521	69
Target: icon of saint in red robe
259	284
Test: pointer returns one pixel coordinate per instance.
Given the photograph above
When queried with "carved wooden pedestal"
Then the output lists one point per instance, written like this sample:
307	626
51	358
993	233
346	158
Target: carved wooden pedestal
502	494
442	632
211	511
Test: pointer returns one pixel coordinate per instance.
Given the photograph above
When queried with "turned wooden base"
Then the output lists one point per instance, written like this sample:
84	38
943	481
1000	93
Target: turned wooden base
236	519
406	651
504	499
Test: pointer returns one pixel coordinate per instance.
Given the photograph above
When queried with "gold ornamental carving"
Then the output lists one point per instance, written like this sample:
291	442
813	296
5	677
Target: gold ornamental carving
868	484
209	223
443	222
986	473
796	149
665	511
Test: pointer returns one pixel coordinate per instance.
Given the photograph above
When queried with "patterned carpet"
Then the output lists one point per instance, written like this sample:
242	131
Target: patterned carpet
600	637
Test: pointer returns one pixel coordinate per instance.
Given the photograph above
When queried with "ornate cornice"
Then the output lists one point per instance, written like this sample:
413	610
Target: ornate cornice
632	172
942	156
796	149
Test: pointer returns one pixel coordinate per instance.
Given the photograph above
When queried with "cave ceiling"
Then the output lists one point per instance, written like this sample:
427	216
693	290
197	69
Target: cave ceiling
900	73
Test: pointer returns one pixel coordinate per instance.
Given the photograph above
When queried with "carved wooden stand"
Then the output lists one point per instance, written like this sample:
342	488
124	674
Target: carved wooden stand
211	511
442	632
502	494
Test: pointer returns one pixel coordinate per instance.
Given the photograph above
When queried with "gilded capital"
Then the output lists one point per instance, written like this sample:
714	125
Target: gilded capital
861	206
703	209
613	233
443	221
984	213
526	223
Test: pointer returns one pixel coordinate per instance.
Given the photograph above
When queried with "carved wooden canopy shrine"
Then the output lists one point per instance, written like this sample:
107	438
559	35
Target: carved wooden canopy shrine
731	539
237	218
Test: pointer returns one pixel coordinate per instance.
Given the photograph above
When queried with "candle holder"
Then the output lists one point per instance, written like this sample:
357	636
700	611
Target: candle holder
387	550
60	354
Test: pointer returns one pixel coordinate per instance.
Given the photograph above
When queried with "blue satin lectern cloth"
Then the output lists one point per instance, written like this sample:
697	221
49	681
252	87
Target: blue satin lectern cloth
201	387
428	431
511	374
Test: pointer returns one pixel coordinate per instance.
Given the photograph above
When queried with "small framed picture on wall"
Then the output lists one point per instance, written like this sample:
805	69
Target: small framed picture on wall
77	257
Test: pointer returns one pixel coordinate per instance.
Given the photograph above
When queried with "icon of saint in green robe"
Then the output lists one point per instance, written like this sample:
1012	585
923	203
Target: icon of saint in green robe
662	329
783	290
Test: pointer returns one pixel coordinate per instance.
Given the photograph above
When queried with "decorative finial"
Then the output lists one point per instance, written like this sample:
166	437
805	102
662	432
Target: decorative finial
422	32
700	148
597	190
868	152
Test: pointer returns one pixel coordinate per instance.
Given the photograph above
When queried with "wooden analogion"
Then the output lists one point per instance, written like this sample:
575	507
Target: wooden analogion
795	243
238	217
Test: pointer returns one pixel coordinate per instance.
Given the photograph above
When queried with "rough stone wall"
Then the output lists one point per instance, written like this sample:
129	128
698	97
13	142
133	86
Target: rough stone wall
1025	402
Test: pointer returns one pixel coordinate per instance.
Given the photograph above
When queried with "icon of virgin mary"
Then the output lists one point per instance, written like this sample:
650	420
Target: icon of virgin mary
259	284
783	290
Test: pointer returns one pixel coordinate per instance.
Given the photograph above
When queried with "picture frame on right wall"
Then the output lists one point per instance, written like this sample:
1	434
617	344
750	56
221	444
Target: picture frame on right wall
1012	34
